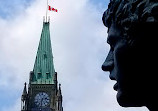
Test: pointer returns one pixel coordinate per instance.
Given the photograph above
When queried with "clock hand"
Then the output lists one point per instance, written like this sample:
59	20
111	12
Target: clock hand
41	101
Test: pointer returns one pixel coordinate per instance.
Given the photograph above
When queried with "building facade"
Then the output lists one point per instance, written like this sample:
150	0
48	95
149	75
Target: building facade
43	92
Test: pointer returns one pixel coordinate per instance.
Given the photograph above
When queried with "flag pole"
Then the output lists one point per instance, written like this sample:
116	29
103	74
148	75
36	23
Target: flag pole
47	11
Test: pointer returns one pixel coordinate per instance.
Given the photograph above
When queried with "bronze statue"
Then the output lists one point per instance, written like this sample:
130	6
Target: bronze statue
132	59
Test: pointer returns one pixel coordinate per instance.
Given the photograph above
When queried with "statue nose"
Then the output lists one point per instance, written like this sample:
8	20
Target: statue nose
107	65
109	62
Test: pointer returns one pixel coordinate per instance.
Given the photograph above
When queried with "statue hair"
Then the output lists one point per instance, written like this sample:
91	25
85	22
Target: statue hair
125	13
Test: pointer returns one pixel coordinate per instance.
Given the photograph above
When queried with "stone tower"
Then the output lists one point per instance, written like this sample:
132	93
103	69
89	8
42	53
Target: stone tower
43	93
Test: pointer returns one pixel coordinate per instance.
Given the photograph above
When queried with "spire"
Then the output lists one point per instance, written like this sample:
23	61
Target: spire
43	71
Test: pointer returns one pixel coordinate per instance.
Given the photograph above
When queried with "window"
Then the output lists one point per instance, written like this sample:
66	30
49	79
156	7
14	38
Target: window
47	75
39	76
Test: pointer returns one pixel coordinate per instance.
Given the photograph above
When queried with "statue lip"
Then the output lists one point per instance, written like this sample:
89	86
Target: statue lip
115	87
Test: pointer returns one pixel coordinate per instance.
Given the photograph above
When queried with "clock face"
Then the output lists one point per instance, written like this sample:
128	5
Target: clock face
42	99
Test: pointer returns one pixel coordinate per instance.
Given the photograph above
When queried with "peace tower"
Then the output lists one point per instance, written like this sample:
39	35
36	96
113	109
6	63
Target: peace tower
43	92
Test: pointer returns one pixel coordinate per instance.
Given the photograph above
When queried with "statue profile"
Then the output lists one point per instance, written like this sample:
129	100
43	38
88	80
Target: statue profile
132	59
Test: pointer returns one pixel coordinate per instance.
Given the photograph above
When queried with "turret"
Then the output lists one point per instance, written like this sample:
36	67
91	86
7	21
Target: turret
59	99
24	99
55	82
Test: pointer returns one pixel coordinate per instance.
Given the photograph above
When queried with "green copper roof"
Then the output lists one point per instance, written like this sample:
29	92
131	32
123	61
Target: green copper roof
43	71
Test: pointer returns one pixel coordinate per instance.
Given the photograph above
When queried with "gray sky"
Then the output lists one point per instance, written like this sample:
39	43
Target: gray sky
79	48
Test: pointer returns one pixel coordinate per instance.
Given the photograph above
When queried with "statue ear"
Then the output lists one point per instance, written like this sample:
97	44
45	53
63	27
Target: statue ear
150	19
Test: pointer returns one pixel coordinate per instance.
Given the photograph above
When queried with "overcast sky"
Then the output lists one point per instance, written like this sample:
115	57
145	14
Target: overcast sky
79	48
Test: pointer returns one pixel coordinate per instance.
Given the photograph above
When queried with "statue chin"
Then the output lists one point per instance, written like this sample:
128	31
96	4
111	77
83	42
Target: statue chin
127	100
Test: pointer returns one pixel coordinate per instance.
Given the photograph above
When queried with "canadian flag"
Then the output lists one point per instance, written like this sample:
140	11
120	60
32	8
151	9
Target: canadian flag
52	9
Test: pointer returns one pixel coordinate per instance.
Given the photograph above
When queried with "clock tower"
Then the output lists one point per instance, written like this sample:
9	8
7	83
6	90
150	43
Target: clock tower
43	92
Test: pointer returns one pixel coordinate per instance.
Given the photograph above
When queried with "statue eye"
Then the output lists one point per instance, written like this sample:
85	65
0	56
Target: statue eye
112	45
112	41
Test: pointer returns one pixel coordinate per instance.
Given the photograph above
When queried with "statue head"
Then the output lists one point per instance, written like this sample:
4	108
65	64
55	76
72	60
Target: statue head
132	36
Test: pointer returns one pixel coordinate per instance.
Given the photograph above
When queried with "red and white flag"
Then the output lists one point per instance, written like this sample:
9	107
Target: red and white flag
52	9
